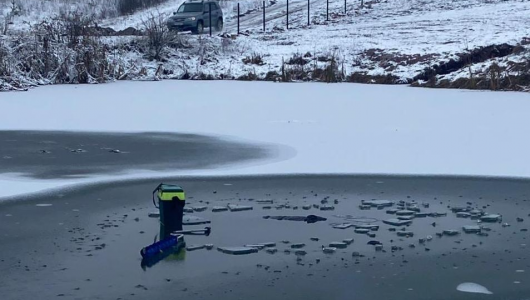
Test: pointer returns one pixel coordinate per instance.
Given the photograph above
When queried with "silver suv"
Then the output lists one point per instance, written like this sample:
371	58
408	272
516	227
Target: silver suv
194	15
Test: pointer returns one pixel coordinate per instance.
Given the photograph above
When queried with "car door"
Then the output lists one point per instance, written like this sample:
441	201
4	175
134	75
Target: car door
206	14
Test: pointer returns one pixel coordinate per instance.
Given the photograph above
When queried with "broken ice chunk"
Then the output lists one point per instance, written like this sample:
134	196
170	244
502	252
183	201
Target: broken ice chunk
271	250
237	250
154	214
405	213
342	226
491	218
327	207
470	287
195	247
237	207
193	220
219	208
362	230
471	229
297	245
339	245
378	203
397	222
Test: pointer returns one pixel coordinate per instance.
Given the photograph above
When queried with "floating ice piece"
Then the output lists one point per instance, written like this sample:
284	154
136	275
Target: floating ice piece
362	230
451	232
491	218
315	239
298	246
472	229
392	211
437	214
154	214
195	247
306	207
300	253
348	241
463	214
237	250
421	215
328	250
378	203
342	226
115	151
193	220
257	246
368	226
339	245
265	201
458	209
199	208
470	287
406	218
237	207
271	250
219	208
364	207
405	233
269	244
405	213
397	222
327	207
373	243
43	204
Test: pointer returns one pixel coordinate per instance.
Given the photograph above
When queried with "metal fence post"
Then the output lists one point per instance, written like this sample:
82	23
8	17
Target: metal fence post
327	10
263	15
238	18
287	14
210	16
308	8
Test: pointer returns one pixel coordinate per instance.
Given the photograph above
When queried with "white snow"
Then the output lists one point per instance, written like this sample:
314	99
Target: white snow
470	287
331	128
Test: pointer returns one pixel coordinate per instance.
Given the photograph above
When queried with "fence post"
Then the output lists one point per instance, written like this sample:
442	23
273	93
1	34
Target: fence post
237	18
327	10
263	15
210	16
344	6
308	8
287	14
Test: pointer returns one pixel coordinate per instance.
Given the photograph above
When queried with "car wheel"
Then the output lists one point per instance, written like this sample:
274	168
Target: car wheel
200	28
219	26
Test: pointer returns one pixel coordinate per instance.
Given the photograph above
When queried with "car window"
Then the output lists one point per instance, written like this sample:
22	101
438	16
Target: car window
216	6
207	7
190	7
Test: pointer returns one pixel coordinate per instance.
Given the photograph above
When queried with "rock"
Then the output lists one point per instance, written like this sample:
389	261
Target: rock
237	250
237	207
397	222
219	208
338	245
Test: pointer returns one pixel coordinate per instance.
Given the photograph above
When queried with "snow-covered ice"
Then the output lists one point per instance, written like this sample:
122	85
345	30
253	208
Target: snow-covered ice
331	128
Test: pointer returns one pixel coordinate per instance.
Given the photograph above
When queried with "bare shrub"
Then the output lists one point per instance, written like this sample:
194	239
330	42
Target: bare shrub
126	7
254	59
159	37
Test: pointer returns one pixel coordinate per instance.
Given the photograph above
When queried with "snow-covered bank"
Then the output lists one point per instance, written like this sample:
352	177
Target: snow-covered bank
334	128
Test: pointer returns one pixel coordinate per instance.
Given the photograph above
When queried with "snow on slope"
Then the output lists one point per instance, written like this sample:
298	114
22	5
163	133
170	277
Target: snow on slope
334	128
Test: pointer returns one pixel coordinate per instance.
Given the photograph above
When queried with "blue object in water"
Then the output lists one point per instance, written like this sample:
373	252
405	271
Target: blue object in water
161	246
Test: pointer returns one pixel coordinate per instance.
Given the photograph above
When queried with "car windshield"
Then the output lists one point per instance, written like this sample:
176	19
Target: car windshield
191	7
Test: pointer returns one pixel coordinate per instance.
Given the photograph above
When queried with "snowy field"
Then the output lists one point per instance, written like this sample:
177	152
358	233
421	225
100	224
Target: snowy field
332	128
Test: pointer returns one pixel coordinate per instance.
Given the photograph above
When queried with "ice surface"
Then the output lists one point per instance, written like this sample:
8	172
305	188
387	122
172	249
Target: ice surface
418	126
237	250
237	207
470	287
193	220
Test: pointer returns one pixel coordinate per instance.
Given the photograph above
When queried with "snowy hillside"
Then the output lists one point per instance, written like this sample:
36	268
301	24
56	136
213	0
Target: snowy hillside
424	42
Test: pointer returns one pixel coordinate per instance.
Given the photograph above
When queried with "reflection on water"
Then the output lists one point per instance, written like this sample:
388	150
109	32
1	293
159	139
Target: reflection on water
169	248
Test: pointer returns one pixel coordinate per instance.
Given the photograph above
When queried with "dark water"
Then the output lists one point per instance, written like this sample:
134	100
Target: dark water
49	154
86	245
